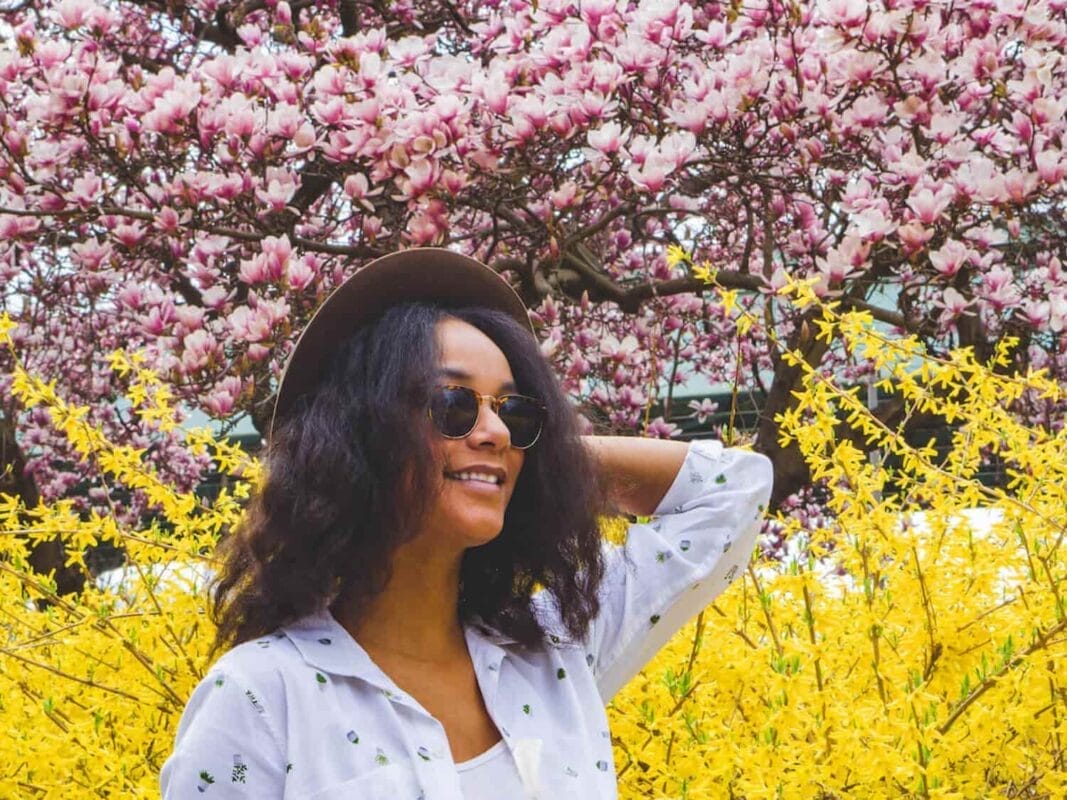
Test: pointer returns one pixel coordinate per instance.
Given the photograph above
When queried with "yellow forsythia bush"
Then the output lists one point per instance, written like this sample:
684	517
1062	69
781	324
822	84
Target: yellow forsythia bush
895	654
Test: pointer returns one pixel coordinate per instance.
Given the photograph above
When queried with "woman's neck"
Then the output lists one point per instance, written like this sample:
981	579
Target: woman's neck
416	616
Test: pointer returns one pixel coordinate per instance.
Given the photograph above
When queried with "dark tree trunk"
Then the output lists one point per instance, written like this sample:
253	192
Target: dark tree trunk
45	557
791	472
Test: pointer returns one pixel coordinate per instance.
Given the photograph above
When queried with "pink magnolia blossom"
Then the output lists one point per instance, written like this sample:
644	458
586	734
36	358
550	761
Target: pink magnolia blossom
1018	185
593	11
131	296
702	409
172	110
848	13
188	318
494	89
358	188
953	305
607	138
302	272
128	235
85	191
13	227
929	205
331	111
658	162
867	112
424	229
214	297
980	180
279	188
90	254
1051	166
564	196
987	236
221	400
998	288
420	176
249	325
659	428
199	350
844	261
1036	313
1057	317
1048	109
158	319
73	13
251	35
872	224
950	258
52	53
238	116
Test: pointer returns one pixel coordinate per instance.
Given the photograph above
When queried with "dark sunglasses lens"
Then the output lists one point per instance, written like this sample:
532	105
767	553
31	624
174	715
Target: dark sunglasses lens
523	418
455	410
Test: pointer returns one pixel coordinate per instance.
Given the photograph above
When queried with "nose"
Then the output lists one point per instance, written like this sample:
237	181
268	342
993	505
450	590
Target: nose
489	429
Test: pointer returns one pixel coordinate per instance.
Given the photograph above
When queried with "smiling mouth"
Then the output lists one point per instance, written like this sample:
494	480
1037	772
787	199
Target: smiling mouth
483	478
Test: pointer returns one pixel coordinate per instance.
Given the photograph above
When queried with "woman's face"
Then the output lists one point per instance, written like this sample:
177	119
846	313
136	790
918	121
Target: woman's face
468	510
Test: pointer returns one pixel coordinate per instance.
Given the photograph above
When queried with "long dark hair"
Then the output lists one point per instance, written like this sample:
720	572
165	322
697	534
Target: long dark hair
329	515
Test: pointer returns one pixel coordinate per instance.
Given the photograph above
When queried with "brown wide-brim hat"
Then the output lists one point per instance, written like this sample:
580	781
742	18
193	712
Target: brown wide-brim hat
427	274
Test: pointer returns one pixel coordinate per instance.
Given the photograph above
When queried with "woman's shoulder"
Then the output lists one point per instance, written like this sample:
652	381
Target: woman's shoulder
259	654
262	665
271	658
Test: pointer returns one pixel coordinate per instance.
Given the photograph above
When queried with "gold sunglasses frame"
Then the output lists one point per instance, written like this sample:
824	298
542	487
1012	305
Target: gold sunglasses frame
494	403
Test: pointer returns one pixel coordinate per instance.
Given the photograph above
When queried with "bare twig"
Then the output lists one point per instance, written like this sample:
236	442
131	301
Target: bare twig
1039	644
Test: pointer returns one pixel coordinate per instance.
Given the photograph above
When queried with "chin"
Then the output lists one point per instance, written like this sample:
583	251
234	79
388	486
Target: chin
476	536
476	531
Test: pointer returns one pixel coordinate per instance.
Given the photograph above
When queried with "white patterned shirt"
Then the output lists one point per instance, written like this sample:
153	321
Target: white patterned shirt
305	714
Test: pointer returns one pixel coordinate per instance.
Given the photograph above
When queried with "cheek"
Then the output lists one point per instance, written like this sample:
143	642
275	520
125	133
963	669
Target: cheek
443	453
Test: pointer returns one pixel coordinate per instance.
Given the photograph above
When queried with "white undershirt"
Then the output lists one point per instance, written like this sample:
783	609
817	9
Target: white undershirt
491	775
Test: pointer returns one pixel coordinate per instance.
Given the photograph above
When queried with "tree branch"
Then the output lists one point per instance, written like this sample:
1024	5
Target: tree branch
991	681
596	227
893	318
356	251
633	298
349	12
219	31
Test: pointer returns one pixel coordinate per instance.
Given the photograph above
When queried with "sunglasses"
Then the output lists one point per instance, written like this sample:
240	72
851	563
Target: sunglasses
454	411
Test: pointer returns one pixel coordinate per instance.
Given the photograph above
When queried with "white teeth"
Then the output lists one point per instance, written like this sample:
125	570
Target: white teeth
485	477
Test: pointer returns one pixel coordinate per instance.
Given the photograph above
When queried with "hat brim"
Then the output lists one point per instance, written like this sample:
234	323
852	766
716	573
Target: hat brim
427	274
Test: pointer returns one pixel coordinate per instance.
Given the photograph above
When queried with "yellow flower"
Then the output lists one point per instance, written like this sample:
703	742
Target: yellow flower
912	645
6	326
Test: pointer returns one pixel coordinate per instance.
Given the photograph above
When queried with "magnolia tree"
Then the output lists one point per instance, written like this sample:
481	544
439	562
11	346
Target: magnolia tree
190	179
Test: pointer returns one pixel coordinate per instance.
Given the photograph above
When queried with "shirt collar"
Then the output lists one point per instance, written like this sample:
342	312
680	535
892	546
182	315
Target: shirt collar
490	634
326	645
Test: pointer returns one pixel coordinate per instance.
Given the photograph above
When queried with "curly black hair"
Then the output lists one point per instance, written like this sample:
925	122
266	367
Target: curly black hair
329	514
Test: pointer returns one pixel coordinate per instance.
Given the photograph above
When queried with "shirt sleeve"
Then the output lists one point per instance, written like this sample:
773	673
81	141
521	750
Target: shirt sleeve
699	539
225	747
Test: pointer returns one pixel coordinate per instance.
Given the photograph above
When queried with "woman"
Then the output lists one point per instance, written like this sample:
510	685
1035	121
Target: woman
420	604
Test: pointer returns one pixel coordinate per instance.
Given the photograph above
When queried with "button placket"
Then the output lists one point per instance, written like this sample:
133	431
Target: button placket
488	659
430	757
489	662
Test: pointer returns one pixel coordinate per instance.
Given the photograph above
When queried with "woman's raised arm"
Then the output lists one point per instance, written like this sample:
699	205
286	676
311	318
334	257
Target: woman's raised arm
706	503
